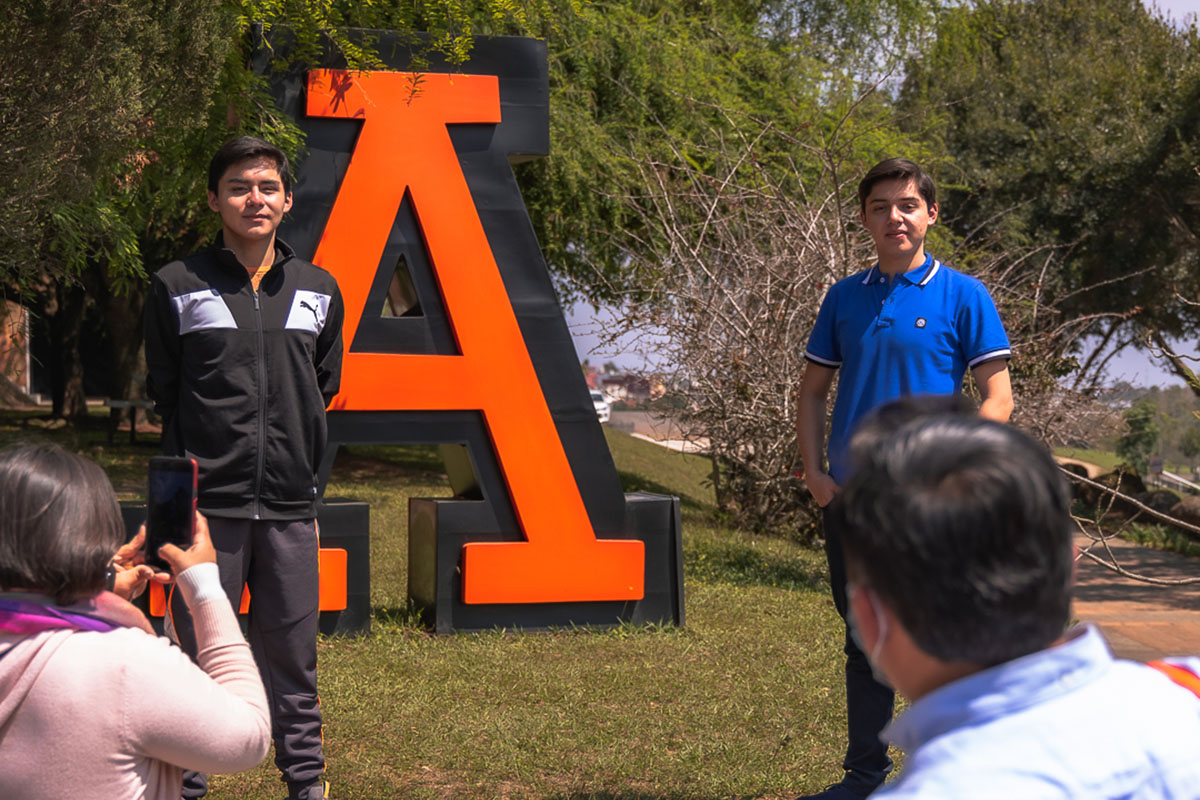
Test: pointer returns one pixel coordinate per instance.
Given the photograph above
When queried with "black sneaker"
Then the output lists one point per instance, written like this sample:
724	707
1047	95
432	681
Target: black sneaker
317	790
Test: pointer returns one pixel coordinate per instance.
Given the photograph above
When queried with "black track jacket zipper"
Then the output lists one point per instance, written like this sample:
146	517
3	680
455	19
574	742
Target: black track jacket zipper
261	461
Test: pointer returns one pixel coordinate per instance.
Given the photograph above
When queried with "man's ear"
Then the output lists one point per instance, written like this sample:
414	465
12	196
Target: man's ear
866	615
287	203
933	213
212	201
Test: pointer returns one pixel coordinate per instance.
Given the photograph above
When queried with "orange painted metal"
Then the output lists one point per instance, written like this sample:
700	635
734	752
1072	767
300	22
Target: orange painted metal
157	600
404	146
331	569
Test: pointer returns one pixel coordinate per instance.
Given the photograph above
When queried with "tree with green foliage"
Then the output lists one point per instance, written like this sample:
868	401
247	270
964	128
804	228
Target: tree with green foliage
1189	443
671	121
82	89
109	113
637	78
118	188
1141	438
727	205
1072	126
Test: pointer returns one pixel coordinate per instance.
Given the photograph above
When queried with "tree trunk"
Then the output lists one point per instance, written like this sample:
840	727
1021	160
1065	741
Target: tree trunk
718	487
66	369
122	316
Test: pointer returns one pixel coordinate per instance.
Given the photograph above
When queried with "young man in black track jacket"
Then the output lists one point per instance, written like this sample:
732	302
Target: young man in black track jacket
244	352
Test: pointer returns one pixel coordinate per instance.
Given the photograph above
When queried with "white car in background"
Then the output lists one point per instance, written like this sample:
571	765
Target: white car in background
603	407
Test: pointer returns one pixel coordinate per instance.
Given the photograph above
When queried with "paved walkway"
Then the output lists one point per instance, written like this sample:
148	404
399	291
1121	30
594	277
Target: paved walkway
1141	621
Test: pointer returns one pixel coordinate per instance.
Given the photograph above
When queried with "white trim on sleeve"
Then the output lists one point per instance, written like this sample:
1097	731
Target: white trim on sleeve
825	362
988	356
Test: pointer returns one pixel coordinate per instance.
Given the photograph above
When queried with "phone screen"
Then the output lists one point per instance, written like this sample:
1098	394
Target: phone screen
170	506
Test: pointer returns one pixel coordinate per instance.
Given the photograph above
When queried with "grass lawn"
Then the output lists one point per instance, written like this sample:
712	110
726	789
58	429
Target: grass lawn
1103	458
1110	460
1162	537
746	701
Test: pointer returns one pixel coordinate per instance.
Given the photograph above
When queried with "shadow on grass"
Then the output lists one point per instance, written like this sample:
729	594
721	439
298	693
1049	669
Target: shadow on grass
20	425
743	563
411	458
632	482
125	464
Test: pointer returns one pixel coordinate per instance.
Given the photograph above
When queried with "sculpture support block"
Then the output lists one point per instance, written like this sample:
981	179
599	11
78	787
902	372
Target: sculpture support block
346	525
438	529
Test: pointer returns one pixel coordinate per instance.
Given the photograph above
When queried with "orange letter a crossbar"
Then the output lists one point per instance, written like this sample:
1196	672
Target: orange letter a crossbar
404	144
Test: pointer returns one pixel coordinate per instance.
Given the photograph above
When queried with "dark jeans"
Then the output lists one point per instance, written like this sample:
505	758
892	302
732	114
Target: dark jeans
278	561
869	703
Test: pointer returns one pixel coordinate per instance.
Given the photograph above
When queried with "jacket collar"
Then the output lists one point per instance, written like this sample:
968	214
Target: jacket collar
226	257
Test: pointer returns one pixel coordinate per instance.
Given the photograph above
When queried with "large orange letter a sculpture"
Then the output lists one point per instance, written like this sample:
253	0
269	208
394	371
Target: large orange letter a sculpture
404	145
396	181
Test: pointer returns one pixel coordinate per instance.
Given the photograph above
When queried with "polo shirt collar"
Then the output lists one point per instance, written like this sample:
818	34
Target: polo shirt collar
1003	689
918	276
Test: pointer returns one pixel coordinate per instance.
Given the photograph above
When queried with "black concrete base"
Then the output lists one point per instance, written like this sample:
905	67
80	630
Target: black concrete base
438	529
347	524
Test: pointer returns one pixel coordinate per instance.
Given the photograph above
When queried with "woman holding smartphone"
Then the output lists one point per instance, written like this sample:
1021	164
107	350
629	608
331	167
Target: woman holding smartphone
92	704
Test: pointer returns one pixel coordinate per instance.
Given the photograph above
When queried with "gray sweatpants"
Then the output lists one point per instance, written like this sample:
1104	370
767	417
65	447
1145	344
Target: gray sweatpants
278	561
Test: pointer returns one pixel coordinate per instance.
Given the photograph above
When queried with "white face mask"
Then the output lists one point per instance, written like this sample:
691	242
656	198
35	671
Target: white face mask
881	623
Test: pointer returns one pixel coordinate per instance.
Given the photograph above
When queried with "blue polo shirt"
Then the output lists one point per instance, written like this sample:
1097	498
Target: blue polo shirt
915	334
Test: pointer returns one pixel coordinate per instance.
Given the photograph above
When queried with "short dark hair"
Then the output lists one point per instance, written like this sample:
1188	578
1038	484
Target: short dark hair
241	148
881	423
893	169
962	527
59	522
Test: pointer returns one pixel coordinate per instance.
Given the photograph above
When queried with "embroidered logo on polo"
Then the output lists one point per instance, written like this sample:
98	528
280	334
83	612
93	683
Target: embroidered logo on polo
308	312
203	310
920	322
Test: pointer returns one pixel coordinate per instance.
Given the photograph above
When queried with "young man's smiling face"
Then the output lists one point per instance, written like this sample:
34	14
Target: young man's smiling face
251	200
897	218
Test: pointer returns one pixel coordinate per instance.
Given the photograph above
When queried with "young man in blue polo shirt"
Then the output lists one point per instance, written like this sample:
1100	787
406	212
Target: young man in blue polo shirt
909	325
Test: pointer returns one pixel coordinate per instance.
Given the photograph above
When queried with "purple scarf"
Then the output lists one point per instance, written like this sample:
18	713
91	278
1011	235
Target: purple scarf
22	614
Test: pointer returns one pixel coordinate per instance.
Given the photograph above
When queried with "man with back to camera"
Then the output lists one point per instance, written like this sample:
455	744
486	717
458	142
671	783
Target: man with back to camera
959	561
909	325
244	352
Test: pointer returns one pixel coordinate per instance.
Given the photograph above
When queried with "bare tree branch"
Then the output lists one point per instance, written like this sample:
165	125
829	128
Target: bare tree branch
1159	347
1101	538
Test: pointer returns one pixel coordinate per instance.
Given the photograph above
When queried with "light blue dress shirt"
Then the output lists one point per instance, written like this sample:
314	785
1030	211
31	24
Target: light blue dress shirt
1067	722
